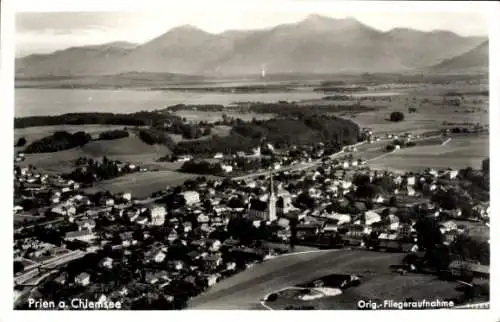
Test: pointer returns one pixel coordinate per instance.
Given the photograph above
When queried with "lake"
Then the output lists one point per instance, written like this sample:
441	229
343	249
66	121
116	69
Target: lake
37	102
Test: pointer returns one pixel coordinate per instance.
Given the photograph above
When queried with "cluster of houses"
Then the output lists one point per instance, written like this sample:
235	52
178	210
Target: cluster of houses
322	202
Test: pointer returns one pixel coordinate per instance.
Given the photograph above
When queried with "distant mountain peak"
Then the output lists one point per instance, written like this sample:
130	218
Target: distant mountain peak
186	28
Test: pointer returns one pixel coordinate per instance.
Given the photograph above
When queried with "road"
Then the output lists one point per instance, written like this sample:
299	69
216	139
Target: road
295	167
363	149
34	273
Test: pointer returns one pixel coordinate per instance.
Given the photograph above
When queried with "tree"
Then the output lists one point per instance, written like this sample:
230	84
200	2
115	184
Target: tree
485	166
21	142
396	117
18	267
428	233
367	191
393	201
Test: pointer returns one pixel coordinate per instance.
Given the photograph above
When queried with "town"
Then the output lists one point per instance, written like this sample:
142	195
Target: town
161	251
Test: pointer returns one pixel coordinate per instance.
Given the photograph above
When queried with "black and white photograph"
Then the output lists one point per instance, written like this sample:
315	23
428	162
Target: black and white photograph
271	156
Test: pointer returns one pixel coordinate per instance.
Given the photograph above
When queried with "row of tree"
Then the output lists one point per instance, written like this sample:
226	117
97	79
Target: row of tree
60	140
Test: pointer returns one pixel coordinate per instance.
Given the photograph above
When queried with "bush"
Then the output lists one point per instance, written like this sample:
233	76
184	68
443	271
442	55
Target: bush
272	297
18	267
113	135
21	142
201	167
60	140
397	117
155	136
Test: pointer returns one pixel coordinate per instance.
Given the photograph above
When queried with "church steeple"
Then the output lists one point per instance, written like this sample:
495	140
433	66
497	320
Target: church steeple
271	216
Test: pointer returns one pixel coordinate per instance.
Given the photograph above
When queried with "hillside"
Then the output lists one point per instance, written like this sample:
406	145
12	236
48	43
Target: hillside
475	60
316	44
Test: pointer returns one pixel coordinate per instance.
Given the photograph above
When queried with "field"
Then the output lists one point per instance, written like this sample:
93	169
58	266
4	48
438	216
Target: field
196	116
459	153
246	289
142	184
130	149
219	130
431	112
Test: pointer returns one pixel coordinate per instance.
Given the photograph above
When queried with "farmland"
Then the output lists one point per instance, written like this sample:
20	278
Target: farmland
142	184
459	153
129	149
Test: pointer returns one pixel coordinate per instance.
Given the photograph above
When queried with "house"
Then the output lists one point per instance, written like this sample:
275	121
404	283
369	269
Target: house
388	241
226	168
141	220
177	265
340	218
308	230
86	224
214	260
214	245
81	235
203	218
449	237
184	158
159	257
410	191
330	226
61	279
283	222
127	196
370	217
231	266
378	199
191	197
448	226
82	279
218	156
211	279
106	262
157	215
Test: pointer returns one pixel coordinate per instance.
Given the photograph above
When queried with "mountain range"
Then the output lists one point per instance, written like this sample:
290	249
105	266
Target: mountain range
316	44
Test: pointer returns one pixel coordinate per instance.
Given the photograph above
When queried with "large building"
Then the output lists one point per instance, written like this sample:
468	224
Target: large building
191	197
157	215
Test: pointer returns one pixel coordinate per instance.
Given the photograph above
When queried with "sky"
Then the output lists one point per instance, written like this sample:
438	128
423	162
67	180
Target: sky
43	32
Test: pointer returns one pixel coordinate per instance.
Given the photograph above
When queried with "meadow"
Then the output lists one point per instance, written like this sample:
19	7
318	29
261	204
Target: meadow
142	184
459	153
130	149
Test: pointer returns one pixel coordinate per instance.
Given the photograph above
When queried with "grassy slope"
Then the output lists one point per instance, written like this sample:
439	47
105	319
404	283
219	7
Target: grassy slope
245	290
130	149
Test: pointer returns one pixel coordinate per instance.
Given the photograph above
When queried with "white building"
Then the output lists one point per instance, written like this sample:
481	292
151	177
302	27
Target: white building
157	215
452	174
82	279
191	197
218	156
107	262
83	235
159	257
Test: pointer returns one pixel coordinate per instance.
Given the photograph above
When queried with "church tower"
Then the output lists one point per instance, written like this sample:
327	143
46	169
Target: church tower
271	215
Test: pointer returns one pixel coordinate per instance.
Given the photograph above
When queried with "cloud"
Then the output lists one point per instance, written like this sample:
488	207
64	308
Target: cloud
64	22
